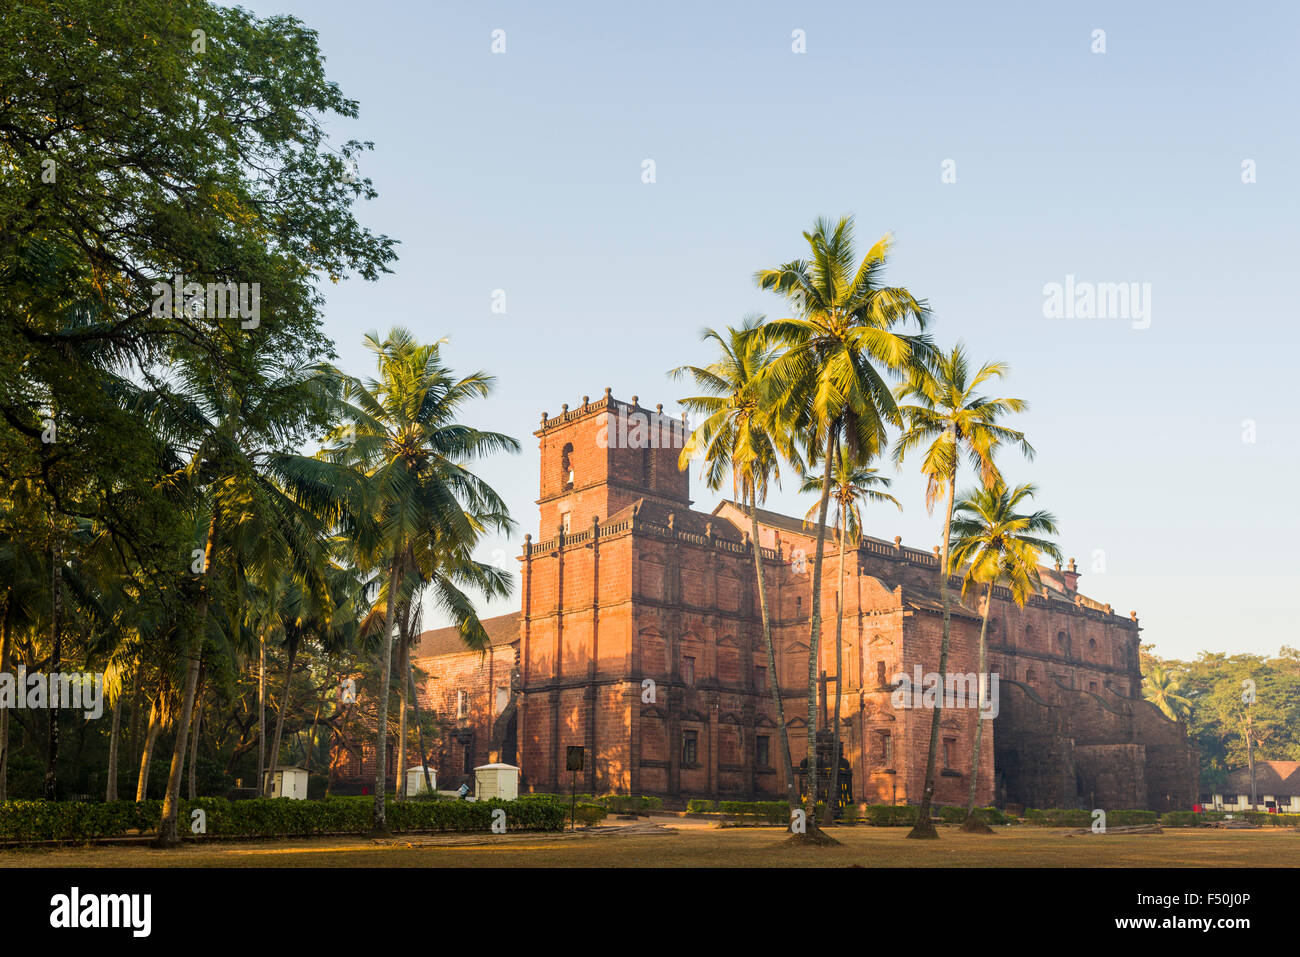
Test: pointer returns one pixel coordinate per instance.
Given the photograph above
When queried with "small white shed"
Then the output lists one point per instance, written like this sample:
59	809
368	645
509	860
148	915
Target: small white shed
496	781
290	783
415	780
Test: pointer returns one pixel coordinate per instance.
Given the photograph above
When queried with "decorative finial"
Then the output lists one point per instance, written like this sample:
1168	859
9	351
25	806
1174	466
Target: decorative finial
1058	566
564	408
586	401
898	541
1133	615
659	407
636	399
1071	564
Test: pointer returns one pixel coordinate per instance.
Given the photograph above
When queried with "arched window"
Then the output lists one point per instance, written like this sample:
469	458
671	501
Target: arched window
1030	641
1092	649
566	466
1063	644
1031	677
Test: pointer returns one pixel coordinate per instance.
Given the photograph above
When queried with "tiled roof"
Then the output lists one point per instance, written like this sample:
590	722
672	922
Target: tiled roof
1271	777
502	630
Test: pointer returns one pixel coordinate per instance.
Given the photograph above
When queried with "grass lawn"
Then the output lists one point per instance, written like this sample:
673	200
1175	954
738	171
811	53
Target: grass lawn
675	842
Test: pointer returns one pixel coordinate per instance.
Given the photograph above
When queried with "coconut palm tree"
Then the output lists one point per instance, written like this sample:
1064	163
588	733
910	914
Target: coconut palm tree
829	384
854	483
997	546
424	506
946	411
1162	688
735	438
228	425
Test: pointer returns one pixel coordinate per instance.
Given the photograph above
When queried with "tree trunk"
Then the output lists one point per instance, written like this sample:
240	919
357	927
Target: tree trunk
261	710
815	633
419	728
110	792
403	658
167	834
134	750
832	799
279	718
774	678
146	754
924	828
4	712
194	737
971	824
386	676
56	662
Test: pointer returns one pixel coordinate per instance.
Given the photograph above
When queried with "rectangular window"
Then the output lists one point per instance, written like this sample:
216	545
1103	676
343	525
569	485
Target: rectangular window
882	679
886	750
760	678
503	699
763	751
462	704
949	751
564	522
469	760
690	747
688	670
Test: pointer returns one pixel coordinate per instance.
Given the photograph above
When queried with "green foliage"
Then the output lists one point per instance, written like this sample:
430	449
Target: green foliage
891	815
1212	686
30	821
701	806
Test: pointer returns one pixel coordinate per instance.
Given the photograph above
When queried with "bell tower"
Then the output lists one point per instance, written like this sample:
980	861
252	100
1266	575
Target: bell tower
602	457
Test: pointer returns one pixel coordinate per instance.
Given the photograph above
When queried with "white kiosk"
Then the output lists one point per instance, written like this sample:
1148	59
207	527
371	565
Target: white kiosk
496	781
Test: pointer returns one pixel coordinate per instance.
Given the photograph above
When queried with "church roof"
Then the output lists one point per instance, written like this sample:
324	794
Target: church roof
502	630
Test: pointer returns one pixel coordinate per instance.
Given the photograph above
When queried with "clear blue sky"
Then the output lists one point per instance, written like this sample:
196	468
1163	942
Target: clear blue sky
522	172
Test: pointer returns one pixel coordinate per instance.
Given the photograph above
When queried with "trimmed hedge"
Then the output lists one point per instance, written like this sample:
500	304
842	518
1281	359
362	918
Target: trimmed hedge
267	817
892	815
1078	817
1200	819
613	803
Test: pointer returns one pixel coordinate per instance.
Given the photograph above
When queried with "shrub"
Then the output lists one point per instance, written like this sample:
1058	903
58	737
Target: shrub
701	806
891	815
29	821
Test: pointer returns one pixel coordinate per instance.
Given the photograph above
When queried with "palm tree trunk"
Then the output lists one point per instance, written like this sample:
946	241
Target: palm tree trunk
110	792
133	750
261	710
279	718
970	822
924	828
56	662
419	728
832	799
774	678
146	753
194	738
167	834
403	657
386	670
815	632
4	712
